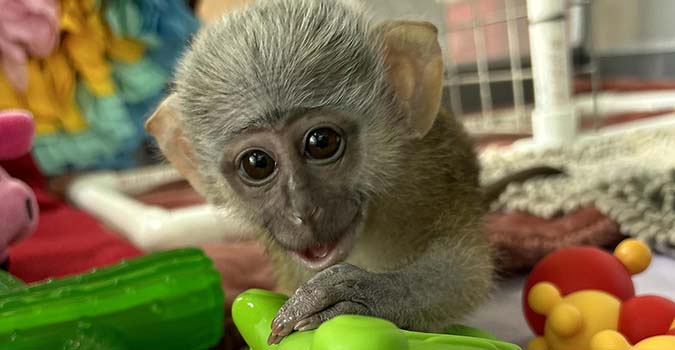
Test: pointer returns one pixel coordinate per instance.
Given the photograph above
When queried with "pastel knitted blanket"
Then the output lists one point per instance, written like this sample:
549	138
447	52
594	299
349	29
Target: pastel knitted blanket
629	177
90	72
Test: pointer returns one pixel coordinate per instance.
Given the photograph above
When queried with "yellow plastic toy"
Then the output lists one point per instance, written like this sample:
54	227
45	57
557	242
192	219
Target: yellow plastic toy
572	321
634	255
613	340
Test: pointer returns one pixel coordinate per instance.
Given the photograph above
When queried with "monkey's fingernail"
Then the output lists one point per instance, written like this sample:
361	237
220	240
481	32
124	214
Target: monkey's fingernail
273	339
301	324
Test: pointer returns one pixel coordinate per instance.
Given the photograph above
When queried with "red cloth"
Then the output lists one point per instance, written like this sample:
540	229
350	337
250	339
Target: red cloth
67	241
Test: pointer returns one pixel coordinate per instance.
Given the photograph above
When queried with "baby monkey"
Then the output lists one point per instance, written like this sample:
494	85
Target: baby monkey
325	131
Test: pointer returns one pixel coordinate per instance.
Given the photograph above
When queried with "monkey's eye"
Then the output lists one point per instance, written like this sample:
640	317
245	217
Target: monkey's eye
323	143
257	165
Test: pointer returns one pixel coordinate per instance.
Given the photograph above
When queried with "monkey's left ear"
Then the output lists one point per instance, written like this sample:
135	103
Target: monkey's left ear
415	64
165	126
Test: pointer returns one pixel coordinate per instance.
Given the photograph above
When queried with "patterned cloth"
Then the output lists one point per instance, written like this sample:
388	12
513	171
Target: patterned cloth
91	94
629	177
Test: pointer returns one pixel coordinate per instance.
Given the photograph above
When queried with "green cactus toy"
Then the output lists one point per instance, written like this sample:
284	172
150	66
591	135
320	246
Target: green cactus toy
167	300
254	310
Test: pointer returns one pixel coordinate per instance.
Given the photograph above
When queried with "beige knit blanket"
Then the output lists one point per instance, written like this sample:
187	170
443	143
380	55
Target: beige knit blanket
629	177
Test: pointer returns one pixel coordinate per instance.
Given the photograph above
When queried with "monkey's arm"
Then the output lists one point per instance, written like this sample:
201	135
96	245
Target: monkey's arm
431	293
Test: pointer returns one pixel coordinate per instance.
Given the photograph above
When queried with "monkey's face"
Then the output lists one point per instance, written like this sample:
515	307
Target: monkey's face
299	115
299	176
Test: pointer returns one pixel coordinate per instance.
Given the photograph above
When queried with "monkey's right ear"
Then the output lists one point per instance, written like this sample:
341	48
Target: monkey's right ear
415	63
165	126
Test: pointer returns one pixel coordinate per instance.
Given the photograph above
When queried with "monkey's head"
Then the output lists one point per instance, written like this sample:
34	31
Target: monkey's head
296	113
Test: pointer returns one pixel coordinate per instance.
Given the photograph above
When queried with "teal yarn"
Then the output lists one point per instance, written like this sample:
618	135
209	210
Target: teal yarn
110	131
139	81
141	86
163	25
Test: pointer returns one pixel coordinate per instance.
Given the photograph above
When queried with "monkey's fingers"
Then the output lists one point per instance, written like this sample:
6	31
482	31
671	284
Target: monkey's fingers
314	321
326	290
308	300
274	339
341	308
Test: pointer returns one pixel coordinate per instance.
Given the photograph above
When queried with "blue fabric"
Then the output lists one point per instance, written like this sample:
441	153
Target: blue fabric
164	25
139	81
140	112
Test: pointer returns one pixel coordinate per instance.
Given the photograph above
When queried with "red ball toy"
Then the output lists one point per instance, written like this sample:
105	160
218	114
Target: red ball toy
578	268
646	316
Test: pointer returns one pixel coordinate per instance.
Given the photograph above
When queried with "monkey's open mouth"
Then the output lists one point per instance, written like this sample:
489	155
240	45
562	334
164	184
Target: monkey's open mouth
321	256
318	252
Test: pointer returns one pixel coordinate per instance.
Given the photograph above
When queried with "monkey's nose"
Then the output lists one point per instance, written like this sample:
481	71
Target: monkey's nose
297	219
300	219
314	214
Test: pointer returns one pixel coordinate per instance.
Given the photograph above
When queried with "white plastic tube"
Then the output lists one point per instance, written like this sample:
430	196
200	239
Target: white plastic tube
106	195
554	120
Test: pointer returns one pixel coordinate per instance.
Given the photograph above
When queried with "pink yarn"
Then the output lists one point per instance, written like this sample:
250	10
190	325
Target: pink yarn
16	134
27	28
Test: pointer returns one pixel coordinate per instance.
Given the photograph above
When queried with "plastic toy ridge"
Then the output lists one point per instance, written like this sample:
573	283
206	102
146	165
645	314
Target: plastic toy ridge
170	300
254	310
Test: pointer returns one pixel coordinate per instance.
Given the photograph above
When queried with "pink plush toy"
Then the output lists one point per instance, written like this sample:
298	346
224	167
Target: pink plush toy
18	207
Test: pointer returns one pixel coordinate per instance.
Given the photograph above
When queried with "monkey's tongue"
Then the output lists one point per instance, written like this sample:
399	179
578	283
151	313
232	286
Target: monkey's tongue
317	252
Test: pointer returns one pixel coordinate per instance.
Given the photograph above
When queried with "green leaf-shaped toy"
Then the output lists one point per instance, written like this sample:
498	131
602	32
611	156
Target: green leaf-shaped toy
254	310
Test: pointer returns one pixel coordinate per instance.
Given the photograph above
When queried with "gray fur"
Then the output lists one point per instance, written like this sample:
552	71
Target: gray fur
421	259
257	64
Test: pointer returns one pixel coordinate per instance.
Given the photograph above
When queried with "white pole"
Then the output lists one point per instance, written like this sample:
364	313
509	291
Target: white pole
554	122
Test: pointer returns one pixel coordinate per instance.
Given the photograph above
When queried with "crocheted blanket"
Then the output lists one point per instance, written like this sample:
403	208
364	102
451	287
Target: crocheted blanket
629	177
90	72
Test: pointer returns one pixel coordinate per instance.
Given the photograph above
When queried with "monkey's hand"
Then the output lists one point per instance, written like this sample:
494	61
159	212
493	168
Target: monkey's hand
337	290
443	284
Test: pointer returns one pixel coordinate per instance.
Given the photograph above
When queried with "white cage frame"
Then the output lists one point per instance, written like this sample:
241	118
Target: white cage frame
553	104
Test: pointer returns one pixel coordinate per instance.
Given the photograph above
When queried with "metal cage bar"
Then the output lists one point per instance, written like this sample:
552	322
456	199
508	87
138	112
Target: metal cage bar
517	73
482	66
515	63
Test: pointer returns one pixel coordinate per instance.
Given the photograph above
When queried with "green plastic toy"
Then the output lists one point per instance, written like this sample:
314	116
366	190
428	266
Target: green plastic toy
168	300
254	310
174	301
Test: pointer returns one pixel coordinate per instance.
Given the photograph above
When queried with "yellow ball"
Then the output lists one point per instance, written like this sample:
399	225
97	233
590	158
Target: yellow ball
543	297
566	320
538	343
609	340
633	254
660	342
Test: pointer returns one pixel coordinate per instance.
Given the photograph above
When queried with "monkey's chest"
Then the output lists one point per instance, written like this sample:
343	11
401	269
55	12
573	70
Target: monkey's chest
378	253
